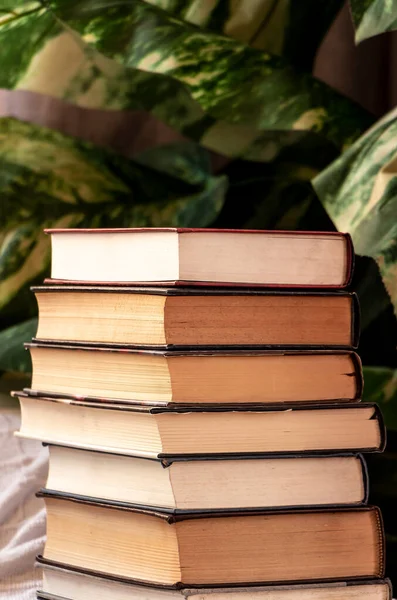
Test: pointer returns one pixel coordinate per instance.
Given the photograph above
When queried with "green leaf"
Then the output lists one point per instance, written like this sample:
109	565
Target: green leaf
359	191
48	179
13	356
132	56
184	160
372	17
262	24
229	80
42	55
24	27
380	386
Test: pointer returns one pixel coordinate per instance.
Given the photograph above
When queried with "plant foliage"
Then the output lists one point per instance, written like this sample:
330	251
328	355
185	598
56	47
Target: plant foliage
128	54
372	17
359	191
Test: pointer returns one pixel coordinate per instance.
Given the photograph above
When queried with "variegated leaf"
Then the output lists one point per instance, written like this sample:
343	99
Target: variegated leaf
40	54
231	81
263	24
48	179
372	17
359	191
212	89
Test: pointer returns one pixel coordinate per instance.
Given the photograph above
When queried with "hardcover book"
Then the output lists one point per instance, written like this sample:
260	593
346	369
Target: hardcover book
205	483
73	584
196	256
214	549
196	376
163	432
177	318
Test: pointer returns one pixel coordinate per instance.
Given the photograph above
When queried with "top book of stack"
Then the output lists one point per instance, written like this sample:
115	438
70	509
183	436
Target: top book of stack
202	257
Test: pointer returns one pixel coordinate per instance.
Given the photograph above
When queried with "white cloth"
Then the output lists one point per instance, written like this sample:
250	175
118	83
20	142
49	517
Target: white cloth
23	471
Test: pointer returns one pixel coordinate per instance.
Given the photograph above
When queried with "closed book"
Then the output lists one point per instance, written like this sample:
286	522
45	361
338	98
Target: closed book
214	549
204	483
72	584
196	377
182	317
196	256
163	432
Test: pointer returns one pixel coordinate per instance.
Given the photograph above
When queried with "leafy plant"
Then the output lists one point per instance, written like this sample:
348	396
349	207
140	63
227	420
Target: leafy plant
166	67
359	192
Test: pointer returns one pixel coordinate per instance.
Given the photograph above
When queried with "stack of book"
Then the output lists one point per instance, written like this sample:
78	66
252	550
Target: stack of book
200	396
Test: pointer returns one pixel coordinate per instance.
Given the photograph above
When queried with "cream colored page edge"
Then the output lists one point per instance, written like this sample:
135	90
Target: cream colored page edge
121	258
262	258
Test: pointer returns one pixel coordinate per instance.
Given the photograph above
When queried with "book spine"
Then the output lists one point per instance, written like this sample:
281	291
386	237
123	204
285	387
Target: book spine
358	373
382	542
350	260
355	321
382	428
365	475
390	588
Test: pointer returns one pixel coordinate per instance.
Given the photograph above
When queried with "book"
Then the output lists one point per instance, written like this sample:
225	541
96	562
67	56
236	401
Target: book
195	376
73	584
214	549
163	432
210	256
205	483
182	317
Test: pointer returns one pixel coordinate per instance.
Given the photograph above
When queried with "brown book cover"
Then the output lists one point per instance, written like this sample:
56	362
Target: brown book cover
229	529
190	318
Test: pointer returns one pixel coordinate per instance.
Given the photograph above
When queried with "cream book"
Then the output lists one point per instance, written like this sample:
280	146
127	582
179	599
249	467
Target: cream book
72	584
205	483
163	432
209	256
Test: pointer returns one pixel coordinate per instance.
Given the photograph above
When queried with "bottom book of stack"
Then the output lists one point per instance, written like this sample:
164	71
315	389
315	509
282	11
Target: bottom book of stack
72	584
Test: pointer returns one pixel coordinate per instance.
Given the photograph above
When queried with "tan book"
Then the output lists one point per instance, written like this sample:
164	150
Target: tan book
159	432
206	483
227	256
184	317
71	584
215	549
194	377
